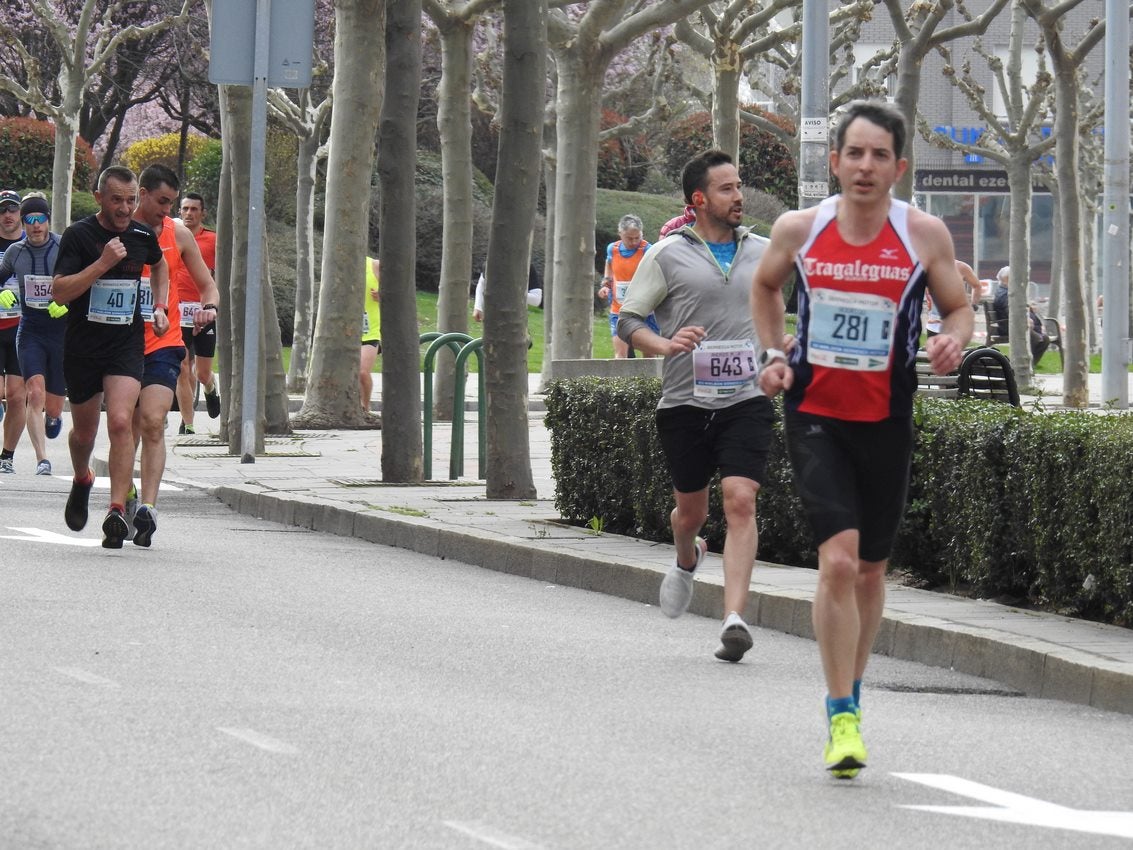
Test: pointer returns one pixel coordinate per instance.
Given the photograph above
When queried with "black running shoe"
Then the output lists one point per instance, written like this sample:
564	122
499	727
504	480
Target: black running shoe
145	524
114	529
212	402
75	513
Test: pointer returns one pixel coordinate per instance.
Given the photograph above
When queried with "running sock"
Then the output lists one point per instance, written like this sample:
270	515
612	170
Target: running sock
87	480
842	705
114	506
7	455
858	693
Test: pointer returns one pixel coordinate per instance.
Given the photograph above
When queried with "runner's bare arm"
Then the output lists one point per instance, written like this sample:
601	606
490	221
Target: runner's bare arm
933	244
768	311
66	288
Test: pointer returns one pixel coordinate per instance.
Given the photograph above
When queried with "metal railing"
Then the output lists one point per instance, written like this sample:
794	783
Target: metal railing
462	346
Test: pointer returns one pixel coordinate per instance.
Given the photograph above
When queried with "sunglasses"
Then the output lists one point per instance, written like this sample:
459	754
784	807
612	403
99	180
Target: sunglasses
35	218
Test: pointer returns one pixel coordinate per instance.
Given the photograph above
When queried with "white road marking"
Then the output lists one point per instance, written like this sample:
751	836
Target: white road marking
490	835
1015	808
39	535
101	482
85	676
258	739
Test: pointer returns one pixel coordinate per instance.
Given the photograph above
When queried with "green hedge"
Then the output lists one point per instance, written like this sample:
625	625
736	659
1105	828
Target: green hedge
1031	508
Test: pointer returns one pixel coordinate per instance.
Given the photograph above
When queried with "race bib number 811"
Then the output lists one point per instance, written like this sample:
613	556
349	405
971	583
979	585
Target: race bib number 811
850	330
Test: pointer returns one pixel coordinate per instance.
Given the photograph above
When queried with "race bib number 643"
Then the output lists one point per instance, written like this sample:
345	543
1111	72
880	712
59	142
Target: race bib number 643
721	367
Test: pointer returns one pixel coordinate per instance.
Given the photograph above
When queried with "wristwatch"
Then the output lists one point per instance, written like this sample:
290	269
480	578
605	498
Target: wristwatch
770	355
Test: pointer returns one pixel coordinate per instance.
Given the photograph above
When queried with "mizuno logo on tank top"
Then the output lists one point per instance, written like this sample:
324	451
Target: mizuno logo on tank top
859	320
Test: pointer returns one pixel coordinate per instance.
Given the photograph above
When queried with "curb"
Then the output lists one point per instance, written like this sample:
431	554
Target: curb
1030	666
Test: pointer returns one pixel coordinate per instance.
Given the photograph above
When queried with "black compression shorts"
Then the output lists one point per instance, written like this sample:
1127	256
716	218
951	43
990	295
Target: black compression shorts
851	475
734	440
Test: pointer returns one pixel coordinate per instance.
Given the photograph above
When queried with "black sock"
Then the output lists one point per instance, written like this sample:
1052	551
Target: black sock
7	455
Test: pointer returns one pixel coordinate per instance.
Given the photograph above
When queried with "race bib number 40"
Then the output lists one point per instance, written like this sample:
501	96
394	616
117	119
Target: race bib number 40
850	330
722	367
112	302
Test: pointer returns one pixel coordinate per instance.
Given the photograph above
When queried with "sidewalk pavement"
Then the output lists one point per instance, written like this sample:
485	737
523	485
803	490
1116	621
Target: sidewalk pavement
329	481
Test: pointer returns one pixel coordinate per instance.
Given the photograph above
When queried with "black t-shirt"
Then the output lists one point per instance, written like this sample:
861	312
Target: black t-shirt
81	245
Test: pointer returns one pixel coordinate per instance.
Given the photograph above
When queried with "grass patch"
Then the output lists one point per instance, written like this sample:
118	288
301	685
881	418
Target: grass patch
603	346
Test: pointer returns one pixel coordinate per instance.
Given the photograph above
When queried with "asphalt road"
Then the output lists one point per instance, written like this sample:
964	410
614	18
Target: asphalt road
244	684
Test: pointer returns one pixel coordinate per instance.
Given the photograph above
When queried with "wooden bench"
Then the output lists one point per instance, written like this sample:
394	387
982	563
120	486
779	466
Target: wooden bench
930	385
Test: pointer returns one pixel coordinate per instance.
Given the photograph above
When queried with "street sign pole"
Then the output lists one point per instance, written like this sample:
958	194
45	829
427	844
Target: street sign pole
814	123
1115	214
254	286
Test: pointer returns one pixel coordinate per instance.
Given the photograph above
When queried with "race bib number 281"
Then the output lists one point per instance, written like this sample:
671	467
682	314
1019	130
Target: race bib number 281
851	330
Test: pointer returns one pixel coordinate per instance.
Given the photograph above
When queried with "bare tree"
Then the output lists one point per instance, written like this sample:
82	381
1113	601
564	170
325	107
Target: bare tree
456	21
513	214
1066	62
332	399
583	46
1014	141
397	157
87	42
307	121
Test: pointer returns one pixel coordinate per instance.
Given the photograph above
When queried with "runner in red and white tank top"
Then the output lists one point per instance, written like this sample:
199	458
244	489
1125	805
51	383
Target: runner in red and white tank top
859	320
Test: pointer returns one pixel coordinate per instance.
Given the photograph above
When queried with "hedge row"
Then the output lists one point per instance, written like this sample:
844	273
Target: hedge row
1032	507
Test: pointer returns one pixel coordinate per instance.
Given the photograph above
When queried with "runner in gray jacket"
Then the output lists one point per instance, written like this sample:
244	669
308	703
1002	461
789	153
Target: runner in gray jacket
712	415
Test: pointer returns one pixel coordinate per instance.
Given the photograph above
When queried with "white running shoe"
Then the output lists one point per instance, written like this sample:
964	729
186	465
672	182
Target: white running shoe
676	587
43	467
735	639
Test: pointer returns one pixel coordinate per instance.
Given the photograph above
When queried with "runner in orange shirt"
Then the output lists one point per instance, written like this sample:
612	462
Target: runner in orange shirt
200	342
157	189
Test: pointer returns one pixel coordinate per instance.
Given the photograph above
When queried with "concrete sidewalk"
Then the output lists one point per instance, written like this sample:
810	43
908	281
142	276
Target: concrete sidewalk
330	481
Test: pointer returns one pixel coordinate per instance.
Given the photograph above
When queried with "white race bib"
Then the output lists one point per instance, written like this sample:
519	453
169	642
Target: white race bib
851	330
112	302
145	293
37	290
620	288
722	367
188	311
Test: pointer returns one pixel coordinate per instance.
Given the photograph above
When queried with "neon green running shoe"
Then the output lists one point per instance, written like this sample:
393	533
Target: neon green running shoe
845	752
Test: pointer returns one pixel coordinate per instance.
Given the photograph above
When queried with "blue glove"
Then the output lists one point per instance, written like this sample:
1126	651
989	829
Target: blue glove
7	298
56	311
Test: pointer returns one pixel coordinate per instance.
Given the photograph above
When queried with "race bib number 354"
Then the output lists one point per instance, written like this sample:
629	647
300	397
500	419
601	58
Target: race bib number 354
851	330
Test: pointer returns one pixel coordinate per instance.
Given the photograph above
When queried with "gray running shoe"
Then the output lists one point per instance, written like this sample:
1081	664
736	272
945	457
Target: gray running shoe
131	509
145	524
735	639
6	465
114	529
43	467
676	587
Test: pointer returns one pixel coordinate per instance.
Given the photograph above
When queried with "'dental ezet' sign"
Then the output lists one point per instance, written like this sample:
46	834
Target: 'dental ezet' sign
965	180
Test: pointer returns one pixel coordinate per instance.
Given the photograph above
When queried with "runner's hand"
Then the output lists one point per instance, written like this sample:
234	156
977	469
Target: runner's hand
56	311
160	322
7	298
686	339
944	353
775	376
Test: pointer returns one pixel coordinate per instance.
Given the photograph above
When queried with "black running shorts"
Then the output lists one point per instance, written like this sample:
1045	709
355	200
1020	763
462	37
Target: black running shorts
84	370
851	475
733	440
9	358
202	344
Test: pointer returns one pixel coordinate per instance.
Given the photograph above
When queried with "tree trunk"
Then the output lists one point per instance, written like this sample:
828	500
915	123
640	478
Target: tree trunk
454	121
277	417
397	158
237	123
908	94
578	103
1075	384
513	213
225	338
66	132
305	295
333	395
549	177
1019	258
1056	231
725	101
